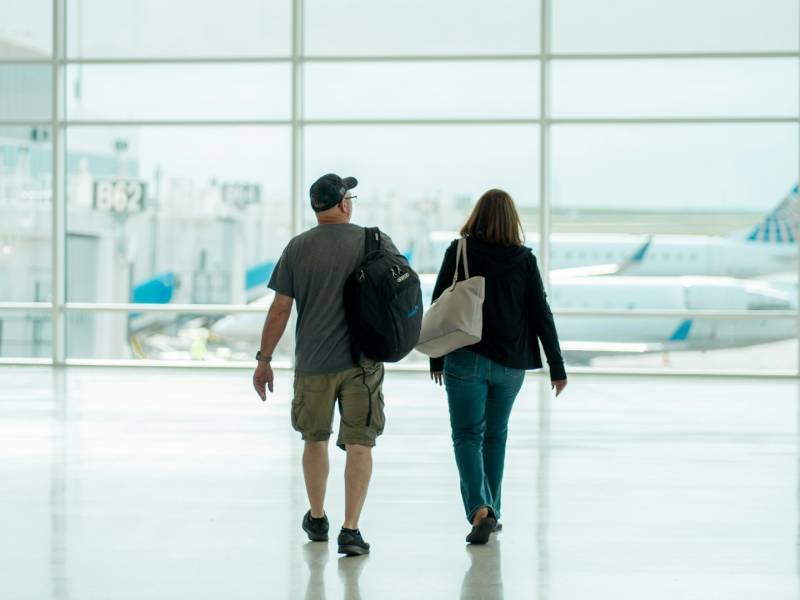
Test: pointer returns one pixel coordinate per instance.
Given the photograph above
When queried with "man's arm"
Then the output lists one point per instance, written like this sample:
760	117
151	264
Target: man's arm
274	326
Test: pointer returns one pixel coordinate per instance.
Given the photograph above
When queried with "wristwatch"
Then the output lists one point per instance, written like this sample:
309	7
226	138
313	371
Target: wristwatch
261	358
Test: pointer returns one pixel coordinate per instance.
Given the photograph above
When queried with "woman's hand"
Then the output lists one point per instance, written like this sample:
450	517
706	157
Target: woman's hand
558	385
437	377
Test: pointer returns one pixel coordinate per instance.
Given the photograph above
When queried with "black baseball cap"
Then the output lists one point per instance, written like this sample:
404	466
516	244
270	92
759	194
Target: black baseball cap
329	190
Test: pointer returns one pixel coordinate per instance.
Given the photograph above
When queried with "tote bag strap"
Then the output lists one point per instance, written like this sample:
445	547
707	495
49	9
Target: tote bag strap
461	251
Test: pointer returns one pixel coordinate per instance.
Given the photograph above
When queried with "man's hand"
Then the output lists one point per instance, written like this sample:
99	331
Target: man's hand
558	385
437	377
263	378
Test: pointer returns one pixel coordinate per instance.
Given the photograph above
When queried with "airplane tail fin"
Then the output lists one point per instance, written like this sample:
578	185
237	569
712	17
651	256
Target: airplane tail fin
781	225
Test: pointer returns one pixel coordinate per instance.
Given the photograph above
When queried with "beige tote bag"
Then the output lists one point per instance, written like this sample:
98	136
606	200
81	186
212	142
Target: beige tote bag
455	320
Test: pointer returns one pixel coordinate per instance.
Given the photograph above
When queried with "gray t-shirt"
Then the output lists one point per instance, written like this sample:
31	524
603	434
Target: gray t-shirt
313	269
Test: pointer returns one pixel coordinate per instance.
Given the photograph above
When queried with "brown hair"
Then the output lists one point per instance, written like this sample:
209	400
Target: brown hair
495	220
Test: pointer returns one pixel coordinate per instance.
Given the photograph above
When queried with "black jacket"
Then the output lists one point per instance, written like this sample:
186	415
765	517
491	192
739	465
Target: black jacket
515	309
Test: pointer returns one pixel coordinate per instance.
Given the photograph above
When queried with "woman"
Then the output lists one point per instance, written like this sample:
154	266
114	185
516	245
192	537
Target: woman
483	380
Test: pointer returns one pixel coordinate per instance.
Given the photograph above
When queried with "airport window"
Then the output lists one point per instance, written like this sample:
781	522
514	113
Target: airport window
103	91
188	133
721	87
423	90
31	98
405	201
175	214
25	217
26	34
422	28
678	26
178	28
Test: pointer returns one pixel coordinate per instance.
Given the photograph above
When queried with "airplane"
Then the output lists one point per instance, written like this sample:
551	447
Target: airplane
585	337
770	246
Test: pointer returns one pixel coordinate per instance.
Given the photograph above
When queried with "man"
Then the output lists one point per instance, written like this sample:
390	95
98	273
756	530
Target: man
312	271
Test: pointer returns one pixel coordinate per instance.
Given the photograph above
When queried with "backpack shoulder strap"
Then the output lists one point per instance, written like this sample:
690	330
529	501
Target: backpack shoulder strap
372	240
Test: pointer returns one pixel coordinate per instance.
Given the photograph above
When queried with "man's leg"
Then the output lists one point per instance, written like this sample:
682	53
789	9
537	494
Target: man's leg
315	471
357	473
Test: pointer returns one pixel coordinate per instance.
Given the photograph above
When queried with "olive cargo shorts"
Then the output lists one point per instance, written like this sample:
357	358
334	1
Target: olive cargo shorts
360	396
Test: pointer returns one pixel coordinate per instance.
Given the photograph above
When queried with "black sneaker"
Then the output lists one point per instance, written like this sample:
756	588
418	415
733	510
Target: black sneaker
480	533
317	529
351	543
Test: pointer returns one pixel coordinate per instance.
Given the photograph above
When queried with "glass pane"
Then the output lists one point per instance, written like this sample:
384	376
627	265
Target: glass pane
26	29
677	26
681	168
644	88
179	337
242	91
25	214
699	217
419	90
397	27
638	342
421	185
175	214
178	28
25	334
26	92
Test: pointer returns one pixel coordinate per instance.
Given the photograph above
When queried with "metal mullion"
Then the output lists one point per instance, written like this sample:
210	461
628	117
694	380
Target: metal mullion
676	313
179	60
173	122
26	306
394	367
419	58
144	363
23	62
432	121
298	104
670	120
558	56
544	144
300	122
97	307
700	373
41	123
58	188
402	58
24	361
200	309
671	56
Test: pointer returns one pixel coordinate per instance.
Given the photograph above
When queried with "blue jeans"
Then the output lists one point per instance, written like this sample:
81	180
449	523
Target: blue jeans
480	393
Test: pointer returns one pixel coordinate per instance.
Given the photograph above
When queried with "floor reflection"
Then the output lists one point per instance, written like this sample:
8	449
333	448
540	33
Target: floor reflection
350	569
58	489
315	554
484	578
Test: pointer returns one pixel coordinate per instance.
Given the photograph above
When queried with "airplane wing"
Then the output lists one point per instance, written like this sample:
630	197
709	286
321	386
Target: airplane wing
607	269
583	351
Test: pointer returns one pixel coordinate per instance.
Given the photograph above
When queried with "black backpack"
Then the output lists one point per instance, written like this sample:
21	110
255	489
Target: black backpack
383	304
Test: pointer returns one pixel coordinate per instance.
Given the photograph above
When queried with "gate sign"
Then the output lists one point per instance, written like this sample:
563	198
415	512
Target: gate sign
241	194
119	195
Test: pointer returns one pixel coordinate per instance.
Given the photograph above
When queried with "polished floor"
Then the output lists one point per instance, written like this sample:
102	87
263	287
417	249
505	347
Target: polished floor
169	484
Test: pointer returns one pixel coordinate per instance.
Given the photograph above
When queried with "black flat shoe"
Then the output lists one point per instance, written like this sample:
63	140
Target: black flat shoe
480	533
317	529
351	543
